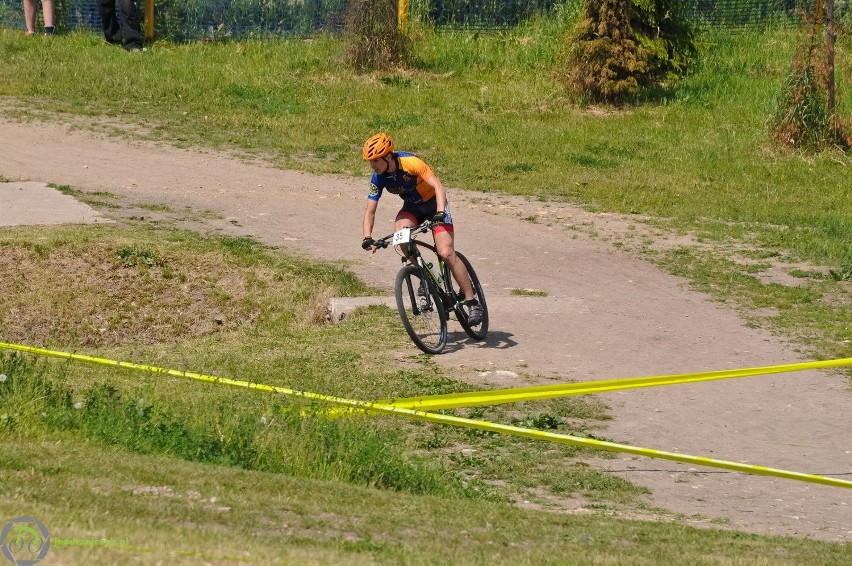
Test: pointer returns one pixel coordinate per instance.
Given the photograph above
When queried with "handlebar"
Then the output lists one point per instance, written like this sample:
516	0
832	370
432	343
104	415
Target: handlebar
424	227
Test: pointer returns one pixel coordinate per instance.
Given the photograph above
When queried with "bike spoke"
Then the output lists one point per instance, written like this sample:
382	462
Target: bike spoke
422	315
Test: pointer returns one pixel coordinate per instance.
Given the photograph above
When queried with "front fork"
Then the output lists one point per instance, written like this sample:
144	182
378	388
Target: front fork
450	299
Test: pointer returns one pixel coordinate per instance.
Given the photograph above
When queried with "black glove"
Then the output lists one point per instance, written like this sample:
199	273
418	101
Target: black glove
368	243
438	217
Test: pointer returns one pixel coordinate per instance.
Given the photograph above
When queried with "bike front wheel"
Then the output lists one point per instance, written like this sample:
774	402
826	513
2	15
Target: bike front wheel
421	310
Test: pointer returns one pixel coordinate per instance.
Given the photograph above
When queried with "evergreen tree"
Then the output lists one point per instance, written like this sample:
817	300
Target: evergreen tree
619	47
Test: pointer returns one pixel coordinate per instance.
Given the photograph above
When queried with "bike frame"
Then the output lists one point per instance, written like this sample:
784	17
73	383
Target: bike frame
444	286
411	254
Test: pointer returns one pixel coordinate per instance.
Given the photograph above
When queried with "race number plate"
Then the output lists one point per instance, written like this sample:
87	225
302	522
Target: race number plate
402	236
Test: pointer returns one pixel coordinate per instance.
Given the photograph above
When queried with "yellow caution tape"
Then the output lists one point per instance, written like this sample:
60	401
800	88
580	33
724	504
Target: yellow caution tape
164	371
534	393
450	420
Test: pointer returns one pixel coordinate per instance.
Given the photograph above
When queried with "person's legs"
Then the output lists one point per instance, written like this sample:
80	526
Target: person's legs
405	219
444	236
109	23
444	242
49	12
30	16
131	25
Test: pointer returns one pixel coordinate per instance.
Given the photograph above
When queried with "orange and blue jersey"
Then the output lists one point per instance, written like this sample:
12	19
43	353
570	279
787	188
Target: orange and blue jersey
409	181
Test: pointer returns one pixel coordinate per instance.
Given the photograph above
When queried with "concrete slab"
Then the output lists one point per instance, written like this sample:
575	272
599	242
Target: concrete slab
32	203
340	307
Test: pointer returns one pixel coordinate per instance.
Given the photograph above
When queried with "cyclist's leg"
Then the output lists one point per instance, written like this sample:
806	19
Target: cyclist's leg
444	235
444	243
404	220
407	217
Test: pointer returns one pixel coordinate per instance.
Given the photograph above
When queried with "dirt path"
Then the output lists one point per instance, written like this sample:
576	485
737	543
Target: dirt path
606	315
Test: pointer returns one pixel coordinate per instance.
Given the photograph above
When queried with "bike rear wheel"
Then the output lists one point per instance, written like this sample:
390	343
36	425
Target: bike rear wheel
479	331
421	310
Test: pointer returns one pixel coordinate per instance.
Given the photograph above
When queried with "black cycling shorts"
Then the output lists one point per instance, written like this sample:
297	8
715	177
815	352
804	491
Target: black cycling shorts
418	213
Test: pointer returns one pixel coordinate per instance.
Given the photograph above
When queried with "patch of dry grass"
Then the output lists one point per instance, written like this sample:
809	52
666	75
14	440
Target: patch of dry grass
108	286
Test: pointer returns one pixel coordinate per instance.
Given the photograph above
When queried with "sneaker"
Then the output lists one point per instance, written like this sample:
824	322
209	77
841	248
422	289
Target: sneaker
423	291
474	313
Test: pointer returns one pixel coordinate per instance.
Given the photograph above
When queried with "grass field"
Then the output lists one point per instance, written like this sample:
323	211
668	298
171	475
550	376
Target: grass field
487	111
227	476
146	468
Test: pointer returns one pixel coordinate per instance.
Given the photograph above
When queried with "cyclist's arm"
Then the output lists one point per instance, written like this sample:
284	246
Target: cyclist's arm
440	192
370	217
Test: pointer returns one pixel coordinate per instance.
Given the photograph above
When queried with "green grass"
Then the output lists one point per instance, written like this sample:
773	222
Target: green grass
814	312
121	296
152	419
98	452
528	292
487	113
160	509
485	110
102	286
250	431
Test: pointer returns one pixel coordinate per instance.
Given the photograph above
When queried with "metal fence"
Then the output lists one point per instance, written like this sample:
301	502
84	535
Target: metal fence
184	20
192	20
480	14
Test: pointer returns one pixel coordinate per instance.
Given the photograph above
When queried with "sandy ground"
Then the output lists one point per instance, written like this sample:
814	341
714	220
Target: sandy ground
606	315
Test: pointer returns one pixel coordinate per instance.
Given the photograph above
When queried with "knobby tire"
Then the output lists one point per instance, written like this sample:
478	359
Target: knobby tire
427	328
479	331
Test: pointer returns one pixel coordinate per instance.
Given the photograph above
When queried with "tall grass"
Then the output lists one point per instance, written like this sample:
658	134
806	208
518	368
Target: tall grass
273	435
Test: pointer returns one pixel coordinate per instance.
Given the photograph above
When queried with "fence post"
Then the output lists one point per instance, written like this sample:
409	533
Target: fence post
149	18
402	15
830	39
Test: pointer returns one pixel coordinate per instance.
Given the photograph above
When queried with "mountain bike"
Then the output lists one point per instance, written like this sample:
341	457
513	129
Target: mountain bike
426	293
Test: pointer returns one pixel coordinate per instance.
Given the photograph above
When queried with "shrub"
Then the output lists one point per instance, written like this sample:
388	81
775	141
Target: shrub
620	47
373	39
662	28
802	118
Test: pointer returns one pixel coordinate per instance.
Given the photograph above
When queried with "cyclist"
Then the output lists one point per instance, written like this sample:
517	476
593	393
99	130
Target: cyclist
424	197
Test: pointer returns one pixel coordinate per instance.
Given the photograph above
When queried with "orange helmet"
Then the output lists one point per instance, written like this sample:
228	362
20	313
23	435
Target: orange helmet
377	146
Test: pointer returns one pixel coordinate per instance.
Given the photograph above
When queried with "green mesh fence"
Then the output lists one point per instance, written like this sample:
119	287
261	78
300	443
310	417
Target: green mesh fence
70	14
738	13
224	19
193	20
480	14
